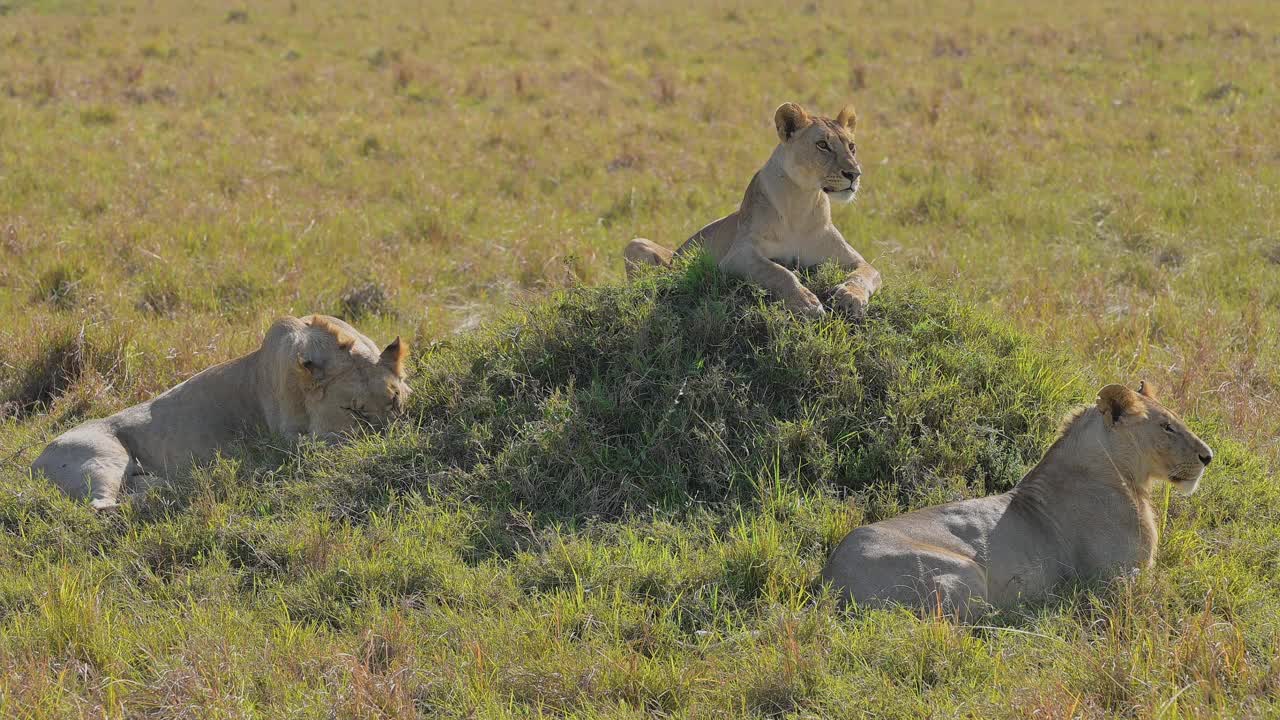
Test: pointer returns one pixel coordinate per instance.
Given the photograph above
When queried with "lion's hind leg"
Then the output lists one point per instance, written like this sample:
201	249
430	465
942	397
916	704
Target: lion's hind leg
88	462
641	252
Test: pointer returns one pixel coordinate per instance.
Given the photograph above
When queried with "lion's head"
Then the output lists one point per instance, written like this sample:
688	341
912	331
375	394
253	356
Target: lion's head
819	152
346	379
1143	429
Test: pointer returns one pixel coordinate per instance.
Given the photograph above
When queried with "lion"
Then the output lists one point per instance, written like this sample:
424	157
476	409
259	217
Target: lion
312	376
1083	512
784	220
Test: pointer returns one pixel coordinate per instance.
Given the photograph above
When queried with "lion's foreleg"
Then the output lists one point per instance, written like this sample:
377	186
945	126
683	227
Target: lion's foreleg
747	262
853	294
865	276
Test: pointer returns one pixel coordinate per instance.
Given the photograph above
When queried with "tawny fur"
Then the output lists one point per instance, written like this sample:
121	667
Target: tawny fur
784	220
1084	511
316	375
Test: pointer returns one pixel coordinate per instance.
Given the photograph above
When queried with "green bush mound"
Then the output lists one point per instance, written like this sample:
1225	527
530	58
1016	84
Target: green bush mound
613	503
682	390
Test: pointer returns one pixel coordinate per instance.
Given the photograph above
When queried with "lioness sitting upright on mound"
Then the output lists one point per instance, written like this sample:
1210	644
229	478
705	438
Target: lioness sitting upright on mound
785	217
316	376
1083	512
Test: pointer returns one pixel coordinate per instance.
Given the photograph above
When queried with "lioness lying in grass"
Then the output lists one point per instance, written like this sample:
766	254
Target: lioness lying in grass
316	376
1083	512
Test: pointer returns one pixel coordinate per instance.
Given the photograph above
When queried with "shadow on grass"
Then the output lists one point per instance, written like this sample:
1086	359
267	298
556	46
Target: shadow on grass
678	391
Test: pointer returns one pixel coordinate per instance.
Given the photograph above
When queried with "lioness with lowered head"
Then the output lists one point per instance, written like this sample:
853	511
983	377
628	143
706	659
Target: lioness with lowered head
1083	512
316	375
784	220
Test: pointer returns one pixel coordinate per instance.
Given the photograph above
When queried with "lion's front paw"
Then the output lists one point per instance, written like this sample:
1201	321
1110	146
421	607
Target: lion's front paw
851	299
807	304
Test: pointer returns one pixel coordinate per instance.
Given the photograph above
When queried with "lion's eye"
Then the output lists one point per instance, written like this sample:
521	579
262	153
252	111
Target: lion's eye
1168	428
853	148
822	145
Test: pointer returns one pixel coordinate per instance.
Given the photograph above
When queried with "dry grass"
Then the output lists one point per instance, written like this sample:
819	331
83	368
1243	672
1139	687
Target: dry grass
1091	175
172	177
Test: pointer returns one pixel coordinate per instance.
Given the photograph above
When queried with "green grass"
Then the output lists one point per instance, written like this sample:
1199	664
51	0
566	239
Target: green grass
613	501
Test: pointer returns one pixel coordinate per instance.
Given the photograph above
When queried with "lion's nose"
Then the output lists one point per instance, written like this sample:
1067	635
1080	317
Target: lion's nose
850	174
1207	458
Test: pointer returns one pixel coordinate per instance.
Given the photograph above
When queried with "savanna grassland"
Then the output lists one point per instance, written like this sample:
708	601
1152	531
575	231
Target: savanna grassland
611	500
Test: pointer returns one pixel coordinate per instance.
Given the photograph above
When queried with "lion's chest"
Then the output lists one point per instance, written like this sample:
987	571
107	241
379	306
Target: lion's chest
798	249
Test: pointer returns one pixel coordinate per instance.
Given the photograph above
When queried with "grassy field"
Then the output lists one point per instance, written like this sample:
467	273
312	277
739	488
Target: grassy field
611	501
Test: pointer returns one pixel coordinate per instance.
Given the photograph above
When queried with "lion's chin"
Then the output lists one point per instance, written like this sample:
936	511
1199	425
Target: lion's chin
843	197
1184	487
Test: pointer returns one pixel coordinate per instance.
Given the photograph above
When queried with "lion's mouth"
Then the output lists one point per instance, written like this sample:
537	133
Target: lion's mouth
853	188
842	195
1184	485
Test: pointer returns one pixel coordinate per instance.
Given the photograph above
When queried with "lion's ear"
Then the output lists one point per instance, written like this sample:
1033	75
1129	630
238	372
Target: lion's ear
1117	402
789	119
848	118
311	368
1147	389
393	356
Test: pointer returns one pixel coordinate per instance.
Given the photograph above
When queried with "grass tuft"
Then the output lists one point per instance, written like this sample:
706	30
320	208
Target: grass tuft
43	379
160	297
60	286
364	300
